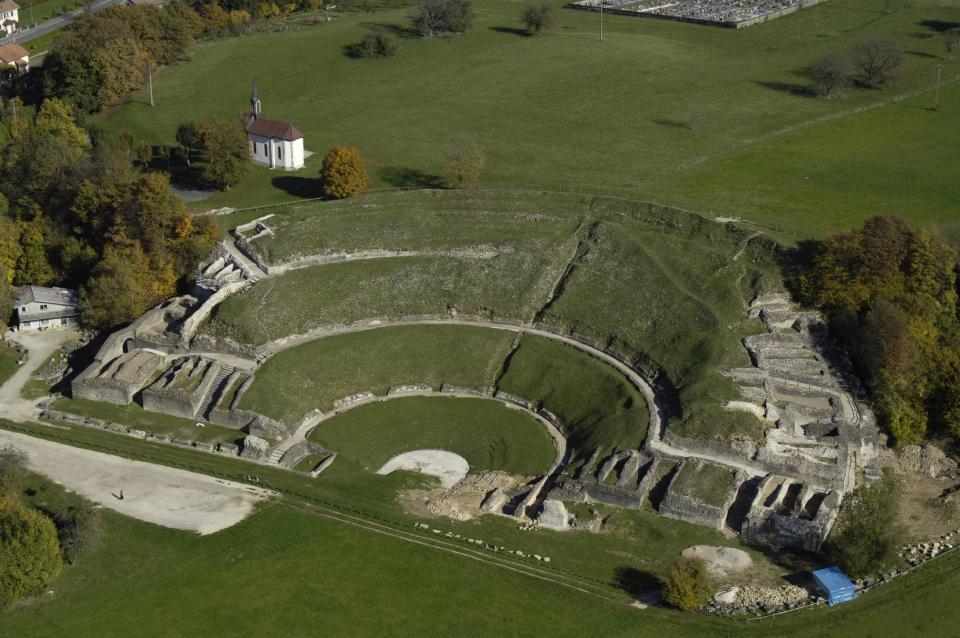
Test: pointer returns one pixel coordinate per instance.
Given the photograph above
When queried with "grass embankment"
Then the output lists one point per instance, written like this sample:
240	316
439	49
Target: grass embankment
510	285
596	405
134	416
489	435
421	221
378	582
654	101
315	374
664	288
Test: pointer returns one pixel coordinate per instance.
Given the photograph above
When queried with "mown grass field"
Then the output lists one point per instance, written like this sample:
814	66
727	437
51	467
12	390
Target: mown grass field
488	434
639	112
150	581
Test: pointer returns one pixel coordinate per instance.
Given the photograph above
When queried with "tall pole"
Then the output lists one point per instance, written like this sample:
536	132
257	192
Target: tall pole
601	20
936	99
150	80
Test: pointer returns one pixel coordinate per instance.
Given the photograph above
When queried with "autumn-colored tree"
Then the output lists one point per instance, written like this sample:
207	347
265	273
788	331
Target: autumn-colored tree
214	17
124	285
464	161
10	248
225	150
890	293
120	68
30	553
33	265
688	585
343	172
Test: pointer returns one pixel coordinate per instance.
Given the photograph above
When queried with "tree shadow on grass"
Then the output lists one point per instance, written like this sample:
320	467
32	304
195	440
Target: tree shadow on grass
939	26
406	177
793	88
639	584
665	121
299	186
511	31
398	30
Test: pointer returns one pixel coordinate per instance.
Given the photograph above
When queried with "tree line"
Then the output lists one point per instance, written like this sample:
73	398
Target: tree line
75	212
890	294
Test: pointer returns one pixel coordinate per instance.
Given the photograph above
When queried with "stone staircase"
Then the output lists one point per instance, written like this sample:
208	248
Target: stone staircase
217	388
276	455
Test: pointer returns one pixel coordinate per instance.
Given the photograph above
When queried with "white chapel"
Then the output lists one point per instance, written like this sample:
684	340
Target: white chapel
272	143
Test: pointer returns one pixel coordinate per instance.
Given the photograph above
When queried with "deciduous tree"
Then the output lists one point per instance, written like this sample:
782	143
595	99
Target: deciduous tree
464	161
879	60
343	173
538	18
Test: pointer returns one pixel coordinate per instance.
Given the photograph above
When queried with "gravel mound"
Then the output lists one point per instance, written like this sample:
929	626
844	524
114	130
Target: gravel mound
720	561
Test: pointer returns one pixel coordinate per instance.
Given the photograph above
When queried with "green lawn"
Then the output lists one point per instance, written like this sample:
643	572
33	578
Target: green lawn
488	434
634	113
150	581
134	416
596	405
707	482
47	9
8	362
315	374
898	159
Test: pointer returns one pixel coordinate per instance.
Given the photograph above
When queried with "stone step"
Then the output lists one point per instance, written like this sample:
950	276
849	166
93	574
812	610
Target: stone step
217	388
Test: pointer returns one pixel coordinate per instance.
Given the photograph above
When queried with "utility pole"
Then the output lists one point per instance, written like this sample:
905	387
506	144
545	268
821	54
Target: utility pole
150	80
601	20
936	99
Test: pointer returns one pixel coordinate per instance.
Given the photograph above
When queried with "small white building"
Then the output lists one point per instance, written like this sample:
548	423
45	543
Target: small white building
9	17
40	308
272	143
14	57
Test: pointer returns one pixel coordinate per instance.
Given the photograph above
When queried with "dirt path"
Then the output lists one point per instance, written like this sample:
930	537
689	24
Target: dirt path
152	493
39	345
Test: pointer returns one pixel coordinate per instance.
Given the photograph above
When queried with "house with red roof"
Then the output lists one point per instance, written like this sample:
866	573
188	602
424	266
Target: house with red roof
273	143
14	57
9	17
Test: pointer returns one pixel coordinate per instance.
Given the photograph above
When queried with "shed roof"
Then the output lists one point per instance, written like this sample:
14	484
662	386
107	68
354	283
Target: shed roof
834	581
13	52
41	294
272	128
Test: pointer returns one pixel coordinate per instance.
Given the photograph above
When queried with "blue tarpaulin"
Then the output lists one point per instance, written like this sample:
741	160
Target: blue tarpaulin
835	583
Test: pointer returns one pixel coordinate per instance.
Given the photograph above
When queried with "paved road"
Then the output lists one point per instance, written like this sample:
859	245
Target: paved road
53	24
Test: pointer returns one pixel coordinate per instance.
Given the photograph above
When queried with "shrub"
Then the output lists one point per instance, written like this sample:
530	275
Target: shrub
78	530
343	173
29	553
538	18
379	44
13	469
441	17
688	585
